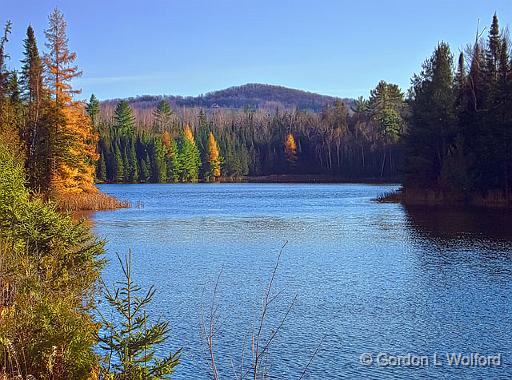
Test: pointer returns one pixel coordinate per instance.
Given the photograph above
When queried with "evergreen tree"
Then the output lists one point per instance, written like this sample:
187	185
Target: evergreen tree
101	168
93	109
190	158
133	171
173	161
35	131
124	120
158	161
145	168
433	126
130	338
119	165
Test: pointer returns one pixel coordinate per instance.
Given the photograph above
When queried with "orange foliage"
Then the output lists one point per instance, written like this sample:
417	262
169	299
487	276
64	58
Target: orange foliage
290	149
166	138
74	159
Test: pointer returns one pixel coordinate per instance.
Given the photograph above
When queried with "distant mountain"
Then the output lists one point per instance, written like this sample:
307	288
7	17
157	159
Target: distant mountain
247	96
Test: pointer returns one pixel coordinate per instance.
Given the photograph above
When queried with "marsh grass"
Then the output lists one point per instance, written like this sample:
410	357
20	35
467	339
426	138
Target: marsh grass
90	202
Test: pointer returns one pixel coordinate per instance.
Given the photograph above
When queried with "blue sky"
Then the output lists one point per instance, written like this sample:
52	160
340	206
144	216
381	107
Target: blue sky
188	47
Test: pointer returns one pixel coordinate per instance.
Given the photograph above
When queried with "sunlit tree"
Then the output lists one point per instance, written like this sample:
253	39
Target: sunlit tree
214	159
72	141
290	149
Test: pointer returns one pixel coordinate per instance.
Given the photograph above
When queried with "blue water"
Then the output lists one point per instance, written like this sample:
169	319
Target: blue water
368	277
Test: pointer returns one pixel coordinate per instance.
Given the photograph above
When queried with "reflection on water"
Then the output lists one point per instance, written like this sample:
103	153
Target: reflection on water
369	277
457	223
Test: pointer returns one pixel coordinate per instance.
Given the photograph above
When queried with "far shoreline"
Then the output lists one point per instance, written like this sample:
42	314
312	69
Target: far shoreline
279	178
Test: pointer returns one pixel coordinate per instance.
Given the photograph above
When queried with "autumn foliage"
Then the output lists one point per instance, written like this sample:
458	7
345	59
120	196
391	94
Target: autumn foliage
213	157
72	150
290	149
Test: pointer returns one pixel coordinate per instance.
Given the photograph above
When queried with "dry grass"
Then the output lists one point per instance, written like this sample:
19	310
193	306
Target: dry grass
90	202
390	197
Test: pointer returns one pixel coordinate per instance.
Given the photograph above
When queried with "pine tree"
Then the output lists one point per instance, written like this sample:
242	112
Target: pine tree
214	159
385	108
93	109
124	120
433	126
492	55
130	338
35	131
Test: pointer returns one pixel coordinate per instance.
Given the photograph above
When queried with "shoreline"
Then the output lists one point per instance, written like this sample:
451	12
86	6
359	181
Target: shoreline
278	178
493	199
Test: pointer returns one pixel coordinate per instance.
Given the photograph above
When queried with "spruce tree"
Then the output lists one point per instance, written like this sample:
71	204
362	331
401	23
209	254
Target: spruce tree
433	125
124	120
119	164
93	109
159	162
190	158
35	131
130	338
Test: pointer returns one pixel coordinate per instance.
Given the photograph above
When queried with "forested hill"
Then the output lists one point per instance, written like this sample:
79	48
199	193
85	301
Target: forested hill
249	95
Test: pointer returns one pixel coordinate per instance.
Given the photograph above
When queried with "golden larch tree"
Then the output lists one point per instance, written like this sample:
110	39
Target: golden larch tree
72	152
188	134
290	149
213	157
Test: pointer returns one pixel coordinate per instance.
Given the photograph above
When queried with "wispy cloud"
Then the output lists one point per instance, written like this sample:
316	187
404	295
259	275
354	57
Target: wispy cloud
117	79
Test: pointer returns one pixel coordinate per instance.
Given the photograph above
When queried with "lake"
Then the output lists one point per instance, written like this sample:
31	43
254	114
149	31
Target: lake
368	278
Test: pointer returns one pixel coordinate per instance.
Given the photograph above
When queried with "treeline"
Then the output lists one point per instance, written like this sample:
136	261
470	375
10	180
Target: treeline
460	131
357	142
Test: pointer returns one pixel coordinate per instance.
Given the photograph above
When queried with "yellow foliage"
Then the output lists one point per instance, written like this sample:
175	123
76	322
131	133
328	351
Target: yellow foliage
75	154
213	156
188	134
290	148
